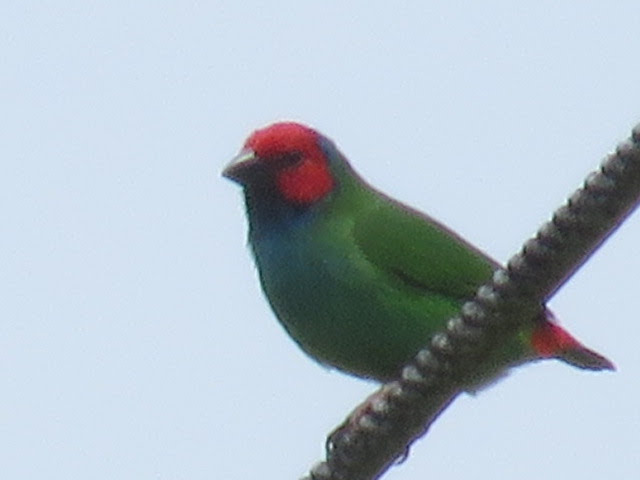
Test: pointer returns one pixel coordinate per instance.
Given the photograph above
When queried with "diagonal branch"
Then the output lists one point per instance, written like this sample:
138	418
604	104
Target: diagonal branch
380	430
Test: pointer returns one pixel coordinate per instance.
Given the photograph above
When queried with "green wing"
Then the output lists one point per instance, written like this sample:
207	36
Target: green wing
419	251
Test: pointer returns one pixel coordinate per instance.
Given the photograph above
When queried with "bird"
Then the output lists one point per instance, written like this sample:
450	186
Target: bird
360	281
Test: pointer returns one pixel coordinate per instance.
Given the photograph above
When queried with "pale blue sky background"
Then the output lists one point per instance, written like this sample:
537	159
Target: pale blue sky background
135	342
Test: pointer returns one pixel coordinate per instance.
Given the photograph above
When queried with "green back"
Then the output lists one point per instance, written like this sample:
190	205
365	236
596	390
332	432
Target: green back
421	252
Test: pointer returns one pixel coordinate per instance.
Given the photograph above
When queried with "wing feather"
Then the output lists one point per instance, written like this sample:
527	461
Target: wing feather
419	251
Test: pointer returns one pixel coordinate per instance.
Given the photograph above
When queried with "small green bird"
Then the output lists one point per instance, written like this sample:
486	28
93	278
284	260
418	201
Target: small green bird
358	280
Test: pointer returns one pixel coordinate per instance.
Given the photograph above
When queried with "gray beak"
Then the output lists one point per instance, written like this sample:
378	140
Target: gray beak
241	166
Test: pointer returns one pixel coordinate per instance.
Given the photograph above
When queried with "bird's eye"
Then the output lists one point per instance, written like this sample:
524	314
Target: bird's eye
287	160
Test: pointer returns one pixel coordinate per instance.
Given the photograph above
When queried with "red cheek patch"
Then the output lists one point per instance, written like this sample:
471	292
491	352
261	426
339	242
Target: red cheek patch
307	182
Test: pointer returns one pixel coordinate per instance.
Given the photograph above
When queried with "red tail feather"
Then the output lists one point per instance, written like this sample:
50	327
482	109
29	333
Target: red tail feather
551	340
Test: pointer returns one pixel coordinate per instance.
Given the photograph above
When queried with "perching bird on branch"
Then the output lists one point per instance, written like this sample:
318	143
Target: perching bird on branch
360	281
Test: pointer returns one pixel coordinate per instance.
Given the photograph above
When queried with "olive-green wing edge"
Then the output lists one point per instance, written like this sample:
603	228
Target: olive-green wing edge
419	251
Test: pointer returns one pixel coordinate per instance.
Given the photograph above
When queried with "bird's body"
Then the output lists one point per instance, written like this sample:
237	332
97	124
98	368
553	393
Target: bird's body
357	279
